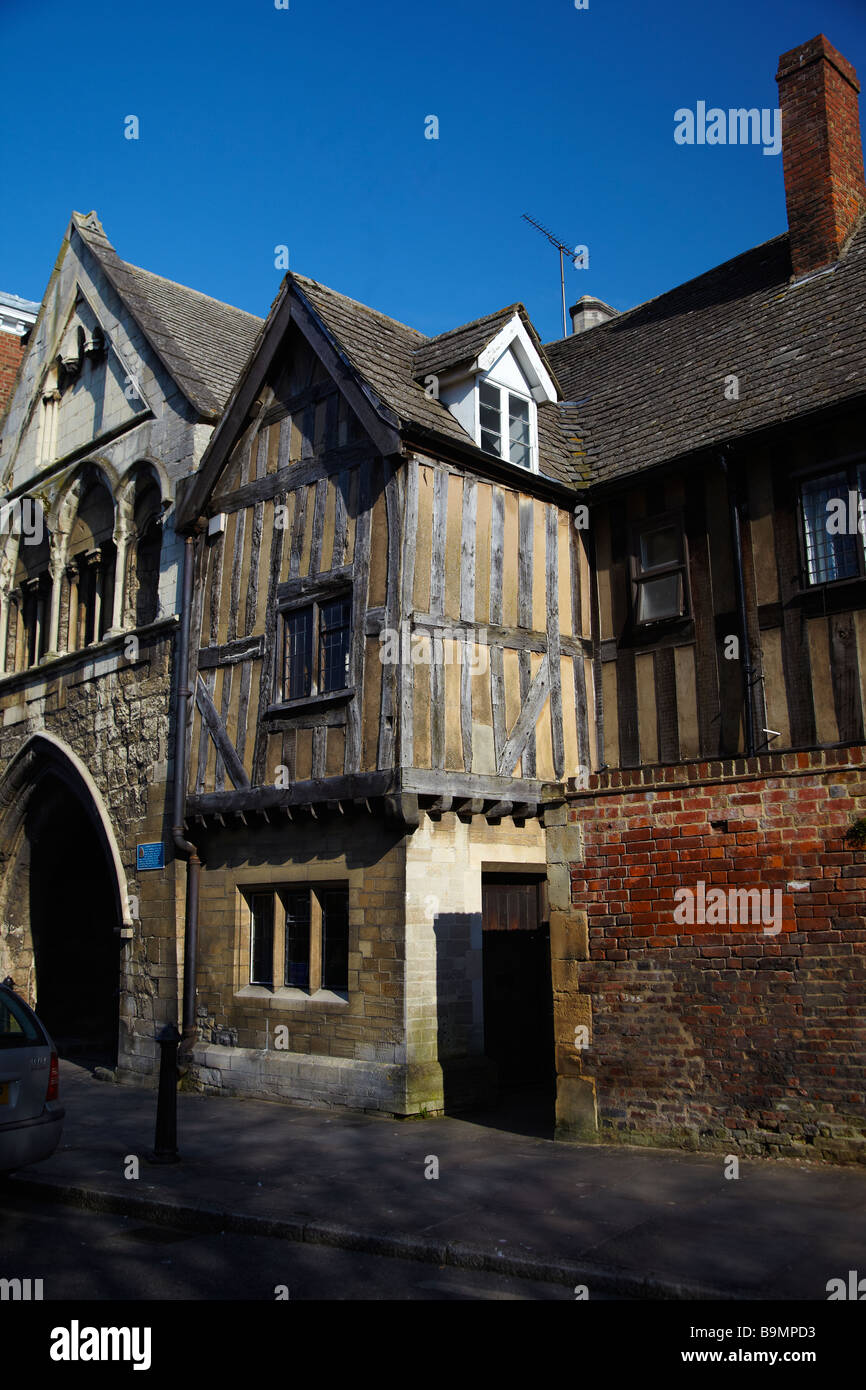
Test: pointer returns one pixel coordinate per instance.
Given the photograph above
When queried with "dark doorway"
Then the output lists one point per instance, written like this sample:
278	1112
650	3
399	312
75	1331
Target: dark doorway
518	992
73	915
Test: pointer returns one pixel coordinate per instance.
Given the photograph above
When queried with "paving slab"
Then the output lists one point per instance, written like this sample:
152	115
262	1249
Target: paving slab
641	1222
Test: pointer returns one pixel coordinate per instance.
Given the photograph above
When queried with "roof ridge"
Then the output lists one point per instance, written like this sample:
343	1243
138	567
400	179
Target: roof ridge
358	303
170	316
515	307
674	289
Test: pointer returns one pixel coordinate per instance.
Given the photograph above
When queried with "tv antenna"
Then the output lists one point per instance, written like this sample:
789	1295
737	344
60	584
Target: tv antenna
564	250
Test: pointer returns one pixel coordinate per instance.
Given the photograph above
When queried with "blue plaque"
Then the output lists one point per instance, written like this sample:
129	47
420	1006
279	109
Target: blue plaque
151	856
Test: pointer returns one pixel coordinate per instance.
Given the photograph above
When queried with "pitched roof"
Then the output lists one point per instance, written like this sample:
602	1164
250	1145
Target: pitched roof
385	354
463	344
649	385
203	343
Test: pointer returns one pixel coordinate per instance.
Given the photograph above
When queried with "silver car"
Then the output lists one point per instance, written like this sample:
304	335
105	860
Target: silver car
31	1118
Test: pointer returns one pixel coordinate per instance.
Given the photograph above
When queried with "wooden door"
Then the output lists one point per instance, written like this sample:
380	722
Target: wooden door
518	994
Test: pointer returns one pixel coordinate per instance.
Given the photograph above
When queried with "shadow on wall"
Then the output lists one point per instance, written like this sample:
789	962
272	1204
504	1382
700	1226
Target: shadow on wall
495	1024
468	1077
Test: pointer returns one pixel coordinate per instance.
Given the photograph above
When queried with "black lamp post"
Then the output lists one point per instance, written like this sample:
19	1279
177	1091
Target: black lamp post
165	1138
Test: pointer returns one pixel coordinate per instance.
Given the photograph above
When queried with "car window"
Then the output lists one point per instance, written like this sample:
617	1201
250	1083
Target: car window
17	1025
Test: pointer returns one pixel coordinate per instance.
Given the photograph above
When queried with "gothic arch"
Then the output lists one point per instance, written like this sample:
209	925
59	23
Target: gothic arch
43	753
63	897
85	557
141	511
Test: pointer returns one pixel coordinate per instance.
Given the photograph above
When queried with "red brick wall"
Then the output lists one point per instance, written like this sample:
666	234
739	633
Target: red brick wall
11	352
727	1036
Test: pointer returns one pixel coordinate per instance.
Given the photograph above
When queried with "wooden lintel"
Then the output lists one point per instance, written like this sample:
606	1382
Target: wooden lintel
230	653
439	784
361	786
303	586
499	810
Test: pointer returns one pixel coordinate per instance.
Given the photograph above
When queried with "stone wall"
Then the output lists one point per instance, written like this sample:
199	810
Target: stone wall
445	859
723	1034
409	1038
337	1052
112	715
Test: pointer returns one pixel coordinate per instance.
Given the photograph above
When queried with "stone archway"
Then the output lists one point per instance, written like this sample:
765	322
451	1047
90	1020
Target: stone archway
62	898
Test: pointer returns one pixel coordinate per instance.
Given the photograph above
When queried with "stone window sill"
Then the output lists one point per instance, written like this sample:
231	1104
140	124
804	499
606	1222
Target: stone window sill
289	998
54	662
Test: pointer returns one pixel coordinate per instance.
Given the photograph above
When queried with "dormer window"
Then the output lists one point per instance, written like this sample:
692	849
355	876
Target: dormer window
492	380
505	424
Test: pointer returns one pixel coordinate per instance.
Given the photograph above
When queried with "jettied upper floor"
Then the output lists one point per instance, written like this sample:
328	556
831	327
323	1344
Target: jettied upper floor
392	602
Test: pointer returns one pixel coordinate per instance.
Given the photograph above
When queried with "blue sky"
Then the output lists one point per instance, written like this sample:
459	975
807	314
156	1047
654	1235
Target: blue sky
304	127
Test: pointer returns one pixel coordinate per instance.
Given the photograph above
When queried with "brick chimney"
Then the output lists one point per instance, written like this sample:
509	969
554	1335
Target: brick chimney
821	151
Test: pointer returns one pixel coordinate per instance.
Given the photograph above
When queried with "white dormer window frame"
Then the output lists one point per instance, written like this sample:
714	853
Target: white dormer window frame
506	424
522	385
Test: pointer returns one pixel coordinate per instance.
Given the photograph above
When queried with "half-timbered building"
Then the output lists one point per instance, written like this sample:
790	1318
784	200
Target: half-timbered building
390	658
725	427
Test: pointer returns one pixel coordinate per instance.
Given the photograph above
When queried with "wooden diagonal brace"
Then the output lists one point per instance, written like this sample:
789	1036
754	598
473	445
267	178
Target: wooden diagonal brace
526	720
216	729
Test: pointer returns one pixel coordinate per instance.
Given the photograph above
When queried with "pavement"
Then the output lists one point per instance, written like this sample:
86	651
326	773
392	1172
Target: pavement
625	1222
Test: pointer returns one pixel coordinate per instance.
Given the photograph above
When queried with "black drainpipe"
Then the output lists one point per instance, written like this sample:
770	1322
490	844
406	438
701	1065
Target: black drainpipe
184	846
748	670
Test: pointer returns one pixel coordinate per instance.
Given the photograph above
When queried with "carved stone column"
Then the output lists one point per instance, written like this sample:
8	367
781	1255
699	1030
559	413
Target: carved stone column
72	574
19	660
122	538
7	572
56	568
95	559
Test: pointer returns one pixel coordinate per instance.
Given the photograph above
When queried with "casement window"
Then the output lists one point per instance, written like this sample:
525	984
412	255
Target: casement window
315	648
505	424
659	581
299	938
831	510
